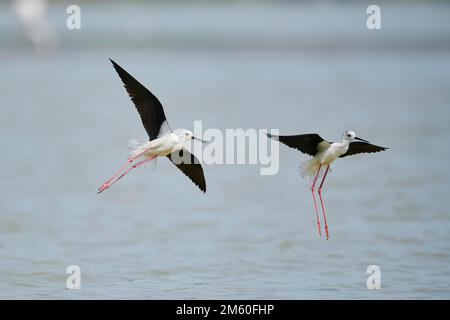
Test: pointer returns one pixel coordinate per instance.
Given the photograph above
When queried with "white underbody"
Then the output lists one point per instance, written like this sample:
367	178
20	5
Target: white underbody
158	147
325	156
328	155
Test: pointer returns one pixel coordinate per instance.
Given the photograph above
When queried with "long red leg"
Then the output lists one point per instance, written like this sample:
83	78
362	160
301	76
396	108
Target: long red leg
118	172
140	163
315	202
321	202
123	168
108	184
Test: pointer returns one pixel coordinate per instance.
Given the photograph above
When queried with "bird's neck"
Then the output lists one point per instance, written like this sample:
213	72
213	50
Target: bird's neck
345	142
180	141
175	138
177	142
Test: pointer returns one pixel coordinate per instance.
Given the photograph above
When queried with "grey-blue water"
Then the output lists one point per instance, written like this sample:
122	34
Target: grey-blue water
66	120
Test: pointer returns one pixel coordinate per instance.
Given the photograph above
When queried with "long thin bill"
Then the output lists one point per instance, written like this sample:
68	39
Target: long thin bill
356	138
200	140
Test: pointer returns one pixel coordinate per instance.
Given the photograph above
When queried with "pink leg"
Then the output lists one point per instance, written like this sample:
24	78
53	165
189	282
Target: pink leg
110	182
117	173
321	202
123	168
315	202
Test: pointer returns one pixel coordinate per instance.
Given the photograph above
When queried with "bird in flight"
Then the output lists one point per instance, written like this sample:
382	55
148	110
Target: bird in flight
162	140
323	154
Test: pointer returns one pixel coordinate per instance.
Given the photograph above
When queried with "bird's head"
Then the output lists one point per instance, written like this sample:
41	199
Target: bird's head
186	135
350	136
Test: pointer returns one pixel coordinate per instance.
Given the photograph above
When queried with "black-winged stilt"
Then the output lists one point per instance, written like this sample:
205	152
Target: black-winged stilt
162	140
324	153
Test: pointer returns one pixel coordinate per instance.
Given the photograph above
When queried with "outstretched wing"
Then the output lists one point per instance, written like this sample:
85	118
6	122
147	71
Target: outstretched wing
190	166
307	143
148	106
362	147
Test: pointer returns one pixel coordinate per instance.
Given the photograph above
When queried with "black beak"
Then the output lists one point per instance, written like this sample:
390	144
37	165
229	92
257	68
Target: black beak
359	139
200	140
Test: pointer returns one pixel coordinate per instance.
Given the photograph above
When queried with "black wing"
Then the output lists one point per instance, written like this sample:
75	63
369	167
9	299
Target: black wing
362	147
190	166
306	143
148	106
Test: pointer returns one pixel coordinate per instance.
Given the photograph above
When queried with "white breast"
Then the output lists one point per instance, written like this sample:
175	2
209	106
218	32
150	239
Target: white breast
332	153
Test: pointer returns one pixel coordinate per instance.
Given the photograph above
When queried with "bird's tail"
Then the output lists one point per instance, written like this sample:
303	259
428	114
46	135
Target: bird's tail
308	169
134	147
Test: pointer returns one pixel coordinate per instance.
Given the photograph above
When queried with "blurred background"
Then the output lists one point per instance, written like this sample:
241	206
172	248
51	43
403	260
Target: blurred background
299	66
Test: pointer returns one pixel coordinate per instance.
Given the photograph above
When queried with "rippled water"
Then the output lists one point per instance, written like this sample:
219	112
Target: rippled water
65	122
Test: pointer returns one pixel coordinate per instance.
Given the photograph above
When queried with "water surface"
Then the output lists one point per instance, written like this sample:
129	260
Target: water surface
66	119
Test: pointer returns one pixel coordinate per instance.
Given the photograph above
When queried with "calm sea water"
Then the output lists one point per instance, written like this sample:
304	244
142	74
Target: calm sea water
66	119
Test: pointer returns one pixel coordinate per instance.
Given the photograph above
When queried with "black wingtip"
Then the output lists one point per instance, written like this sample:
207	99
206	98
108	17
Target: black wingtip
115	65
